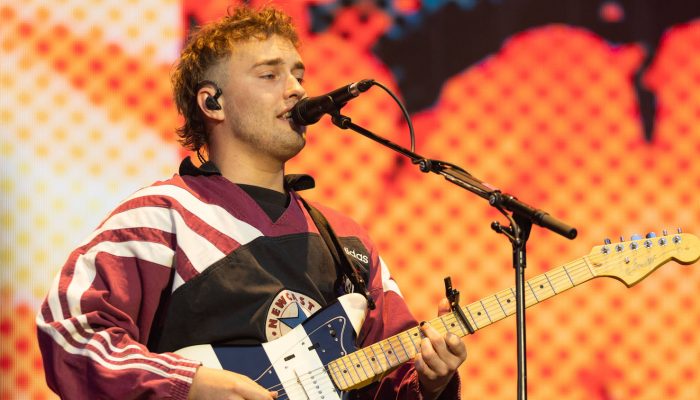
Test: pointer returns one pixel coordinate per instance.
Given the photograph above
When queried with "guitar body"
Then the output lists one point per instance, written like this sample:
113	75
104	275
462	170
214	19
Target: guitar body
295	365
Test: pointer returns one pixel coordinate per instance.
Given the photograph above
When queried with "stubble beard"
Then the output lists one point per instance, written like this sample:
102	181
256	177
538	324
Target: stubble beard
267	139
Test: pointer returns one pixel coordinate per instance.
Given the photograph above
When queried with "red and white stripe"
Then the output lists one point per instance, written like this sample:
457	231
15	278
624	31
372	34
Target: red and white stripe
388	283
205	234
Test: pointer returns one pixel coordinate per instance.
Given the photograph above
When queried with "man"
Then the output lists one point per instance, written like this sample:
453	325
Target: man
208	255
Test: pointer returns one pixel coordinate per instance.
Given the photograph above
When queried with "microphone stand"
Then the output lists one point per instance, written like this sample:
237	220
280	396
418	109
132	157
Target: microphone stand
520	218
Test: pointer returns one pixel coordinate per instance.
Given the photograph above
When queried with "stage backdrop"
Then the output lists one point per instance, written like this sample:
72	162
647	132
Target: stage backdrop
587	109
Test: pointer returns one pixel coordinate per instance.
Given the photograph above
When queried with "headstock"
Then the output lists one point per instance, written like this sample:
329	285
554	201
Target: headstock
631	261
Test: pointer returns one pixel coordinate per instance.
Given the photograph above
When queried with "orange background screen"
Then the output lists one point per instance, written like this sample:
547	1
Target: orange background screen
551	116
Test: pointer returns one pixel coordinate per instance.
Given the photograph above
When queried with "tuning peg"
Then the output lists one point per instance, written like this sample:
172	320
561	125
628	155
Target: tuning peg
607	241
636	236
651	235
677	237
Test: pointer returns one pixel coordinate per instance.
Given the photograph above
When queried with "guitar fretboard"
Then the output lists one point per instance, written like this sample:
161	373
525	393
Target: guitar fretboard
372	362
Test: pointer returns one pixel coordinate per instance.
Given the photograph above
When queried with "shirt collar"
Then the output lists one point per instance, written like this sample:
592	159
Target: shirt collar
296	182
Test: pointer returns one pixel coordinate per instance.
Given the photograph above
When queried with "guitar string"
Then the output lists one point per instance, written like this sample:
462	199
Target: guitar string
318	372
575	273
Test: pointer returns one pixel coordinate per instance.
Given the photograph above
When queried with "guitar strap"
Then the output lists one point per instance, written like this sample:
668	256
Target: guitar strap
341	258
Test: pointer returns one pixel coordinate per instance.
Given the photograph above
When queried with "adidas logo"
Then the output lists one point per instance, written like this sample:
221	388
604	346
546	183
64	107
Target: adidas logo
358	256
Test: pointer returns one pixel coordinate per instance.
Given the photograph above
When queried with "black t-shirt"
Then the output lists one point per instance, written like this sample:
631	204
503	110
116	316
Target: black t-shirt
271	201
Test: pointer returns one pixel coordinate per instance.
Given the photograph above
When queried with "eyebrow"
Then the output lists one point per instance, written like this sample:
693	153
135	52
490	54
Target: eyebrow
278	61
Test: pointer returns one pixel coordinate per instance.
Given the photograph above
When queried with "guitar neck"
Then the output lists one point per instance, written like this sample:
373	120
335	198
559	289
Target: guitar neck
498	306
370	363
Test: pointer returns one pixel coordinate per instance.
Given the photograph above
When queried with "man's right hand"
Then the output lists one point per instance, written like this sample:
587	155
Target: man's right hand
218	384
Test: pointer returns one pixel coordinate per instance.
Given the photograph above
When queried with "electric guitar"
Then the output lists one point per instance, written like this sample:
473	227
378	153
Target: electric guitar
319	360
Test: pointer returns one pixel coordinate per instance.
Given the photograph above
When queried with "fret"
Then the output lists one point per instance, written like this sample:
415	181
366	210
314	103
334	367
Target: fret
413	333
336	373
462	325
390	352
476	325
407	343
533	291
509	306
347	372
358	366
588	264
505	314
459	324
567	274
386	357
372	361
382	367
367	365
410	352
579	273
561	284
473	321
444	324
481	313
550	283
538	284
406	340
354	373
406	356
486	311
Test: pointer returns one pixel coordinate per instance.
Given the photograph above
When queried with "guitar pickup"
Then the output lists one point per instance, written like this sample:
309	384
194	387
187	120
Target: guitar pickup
289	357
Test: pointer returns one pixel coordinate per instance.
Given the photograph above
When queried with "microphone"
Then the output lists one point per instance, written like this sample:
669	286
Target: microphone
310	109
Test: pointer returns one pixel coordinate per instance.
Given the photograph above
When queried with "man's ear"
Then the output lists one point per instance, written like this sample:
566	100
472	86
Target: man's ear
208	101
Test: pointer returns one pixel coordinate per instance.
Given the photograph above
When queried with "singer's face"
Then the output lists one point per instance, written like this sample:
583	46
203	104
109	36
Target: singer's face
263	83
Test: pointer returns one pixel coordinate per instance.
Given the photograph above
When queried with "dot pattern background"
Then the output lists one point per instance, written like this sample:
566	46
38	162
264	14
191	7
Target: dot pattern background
86	119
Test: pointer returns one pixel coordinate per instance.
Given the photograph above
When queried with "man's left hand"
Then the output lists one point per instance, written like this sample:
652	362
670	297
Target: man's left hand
439	357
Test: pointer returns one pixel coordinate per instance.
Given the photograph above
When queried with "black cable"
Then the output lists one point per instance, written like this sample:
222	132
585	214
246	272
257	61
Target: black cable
404	111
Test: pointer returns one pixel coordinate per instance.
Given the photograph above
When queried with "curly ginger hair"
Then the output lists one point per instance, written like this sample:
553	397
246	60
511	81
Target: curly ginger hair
204	52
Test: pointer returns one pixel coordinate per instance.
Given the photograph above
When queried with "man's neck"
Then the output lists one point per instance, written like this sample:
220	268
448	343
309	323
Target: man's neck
260	172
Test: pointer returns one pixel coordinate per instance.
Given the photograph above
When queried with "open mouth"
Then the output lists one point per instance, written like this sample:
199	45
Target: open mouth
287	116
